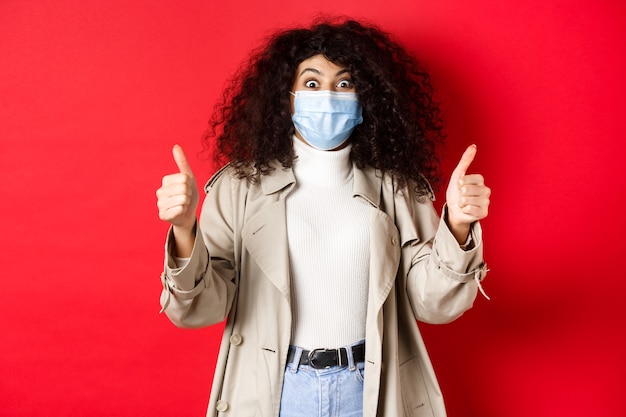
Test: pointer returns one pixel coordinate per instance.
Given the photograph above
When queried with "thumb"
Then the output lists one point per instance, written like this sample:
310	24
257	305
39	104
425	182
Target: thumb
181	160
465	162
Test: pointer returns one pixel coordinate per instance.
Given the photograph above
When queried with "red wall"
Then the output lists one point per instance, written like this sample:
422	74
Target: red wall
94	94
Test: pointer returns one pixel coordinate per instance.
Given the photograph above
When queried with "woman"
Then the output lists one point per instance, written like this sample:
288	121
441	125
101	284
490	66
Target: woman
318	241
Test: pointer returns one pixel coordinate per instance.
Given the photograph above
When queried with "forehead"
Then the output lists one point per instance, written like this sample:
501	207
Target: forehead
319	64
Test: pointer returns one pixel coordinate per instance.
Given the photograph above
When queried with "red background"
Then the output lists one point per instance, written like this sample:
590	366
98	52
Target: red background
93	96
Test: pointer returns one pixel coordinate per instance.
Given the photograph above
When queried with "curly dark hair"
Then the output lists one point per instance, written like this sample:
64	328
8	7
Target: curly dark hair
402	127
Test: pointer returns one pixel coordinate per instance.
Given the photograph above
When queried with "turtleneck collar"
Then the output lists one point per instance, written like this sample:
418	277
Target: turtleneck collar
325	168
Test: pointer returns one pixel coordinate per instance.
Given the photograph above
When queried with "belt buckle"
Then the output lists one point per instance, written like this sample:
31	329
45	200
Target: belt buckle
312	361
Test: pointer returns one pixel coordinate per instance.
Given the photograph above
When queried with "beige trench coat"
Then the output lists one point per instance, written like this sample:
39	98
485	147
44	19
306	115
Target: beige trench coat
239	271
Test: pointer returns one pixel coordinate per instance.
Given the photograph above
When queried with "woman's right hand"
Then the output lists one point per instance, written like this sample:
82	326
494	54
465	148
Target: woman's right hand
177	201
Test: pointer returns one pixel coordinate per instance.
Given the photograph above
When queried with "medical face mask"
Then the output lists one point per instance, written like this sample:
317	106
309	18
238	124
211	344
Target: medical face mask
325	119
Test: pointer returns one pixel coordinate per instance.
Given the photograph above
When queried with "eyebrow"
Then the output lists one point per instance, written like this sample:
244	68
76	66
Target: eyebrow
320	73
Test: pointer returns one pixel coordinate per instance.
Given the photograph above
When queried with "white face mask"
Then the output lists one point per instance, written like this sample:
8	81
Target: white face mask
325	119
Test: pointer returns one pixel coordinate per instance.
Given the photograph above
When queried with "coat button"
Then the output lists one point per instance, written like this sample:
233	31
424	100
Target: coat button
236	339
394	241
221	406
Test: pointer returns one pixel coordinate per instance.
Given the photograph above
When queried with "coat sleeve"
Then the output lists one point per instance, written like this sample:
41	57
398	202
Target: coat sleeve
201	293
442	279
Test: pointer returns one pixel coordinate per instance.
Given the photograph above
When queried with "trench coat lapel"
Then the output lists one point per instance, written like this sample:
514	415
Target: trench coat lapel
265	233
384	237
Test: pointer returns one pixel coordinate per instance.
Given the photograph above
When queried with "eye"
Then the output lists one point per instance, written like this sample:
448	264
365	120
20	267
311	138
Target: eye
345	83
311	84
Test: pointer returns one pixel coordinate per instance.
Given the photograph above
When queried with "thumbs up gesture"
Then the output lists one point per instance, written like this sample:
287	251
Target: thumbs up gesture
467	197
177	199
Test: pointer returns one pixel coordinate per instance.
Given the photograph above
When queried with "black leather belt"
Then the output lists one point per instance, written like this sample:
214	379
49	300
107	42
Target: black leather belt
325	358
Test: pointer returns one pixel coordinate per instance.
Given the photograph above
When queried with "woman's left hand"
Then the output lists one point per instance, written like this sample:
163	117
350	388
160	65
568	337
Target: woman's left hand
467	197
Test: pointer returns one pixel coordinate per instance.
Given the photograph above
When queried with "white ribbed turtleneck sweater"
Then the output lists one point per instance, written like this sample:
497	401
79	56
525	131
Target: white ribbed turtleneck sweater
328	234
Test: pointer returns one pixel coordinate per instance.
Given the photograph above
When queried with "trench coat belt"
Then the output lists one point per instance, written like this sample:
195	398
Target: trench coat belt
325	358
